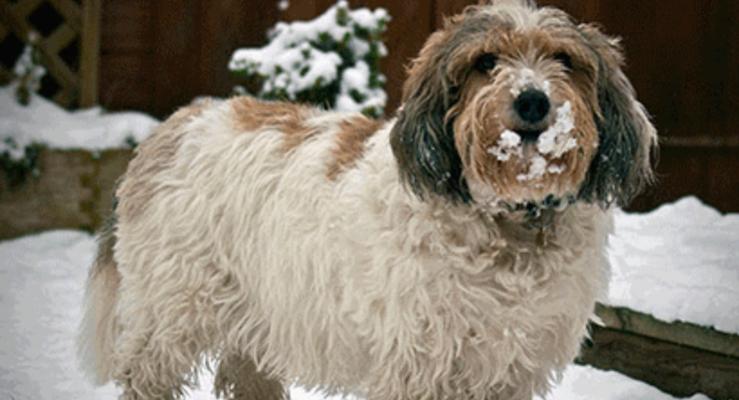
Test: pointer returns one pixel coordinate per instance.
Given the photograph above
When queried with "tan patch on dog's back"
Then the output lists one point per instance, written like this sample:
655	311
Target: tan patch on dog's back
153	155
254	115
350	143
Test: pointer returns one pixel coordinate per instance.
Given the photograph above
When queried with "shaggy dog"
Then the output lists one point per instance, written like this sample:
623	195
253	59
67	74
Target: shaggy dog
453	252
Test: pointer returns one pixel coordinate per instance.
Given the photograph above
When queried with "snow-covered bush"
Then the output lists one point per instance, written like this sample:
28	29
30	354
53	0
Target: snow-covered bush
331	61
28	72
18	162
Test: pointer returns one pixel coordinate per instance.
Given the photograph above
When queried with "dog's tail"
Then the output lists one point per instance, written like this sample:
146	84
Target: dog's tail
98	329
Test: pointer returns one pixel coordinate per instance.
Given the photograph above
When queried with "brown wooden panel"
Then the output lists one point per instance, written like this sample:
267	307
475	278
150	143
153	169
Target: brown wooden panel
709	173
729	94
582	11
175	54
127	26
125	81
722	186
446	9
223	27
305	9
679	58
411	25
678	97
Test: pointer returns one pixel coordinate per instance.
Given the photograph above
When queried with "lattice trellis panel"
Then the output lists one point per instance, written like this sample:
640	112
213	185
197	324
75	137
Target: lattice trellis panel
69	43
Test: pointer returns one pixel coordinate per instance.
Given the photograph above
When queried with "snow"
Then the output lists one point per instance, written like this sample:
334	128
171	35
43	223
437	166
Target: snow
292	63
44	122
537	169
527	78
27	67
357	79
524	79
508	144
677	263
585	383
292	69
556	140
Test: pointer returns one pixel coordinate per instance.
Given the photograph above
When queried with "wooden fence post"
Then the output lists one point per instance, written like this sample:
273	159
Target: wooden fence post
90	52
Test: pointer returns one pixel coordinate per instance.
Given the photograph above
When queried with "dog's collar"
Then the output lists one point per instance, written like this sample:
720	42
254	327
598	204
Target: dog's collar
539	216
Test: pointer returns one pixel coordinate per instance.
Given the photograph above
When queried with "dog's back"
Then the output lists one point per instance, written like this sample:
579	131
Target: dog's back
195	205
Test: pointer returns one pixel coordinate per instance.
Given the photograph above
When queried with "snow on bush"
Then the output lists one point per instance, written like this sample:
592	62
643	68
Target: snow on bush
331	61
28	71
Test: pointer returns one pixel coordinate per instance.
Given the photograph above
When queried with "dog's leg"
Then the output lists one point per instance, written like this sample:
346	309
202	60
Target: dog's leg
238	379
163	338
148	367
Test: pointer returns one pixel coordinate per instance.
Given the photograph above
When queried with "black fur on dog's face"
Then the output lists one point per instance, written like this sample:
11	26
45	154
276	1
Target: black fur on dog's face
512	103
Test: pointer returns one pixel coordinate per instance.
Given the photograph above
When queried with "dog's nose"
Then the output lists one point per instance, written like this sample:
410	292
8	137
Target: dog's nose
532	105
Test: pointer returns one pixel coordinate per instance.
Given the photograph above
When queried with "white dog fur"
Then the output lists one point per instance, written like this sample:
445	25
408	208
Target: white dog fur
290	244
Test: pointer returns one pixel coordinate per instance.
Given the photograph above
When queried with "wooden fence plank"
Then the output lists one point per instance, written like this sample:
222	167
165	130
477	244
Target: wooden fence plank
24	8
126	28
60	38
681	333
446	9
90	53
410	26
676	369
71	12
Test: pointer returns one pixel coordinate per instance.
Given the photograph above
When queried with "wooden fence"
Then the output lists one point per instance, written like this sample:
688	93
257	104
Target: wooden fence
68	43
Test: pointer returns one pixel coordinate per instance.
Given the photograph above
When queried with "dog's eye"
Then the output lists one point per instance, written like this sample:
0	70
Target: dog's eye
486	62
564	59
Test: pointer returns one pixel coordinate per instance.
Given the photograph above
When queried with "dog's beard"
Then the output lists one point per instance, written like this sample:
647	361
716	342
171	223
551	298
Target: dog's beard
518	165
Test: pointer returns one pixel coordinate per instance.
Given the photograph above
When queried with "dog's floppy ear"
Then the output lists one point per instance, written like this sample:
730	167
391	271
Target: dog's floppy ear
422	139
622	166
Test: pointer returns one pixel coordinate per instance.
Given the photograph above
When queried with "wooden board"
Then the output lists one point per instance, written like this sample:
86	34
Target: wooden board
676	369
73	190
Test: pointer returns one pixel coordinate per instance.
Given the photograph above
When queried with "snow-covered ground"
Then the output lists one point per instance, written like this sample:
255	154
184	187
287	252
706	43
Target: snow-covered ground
678	262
